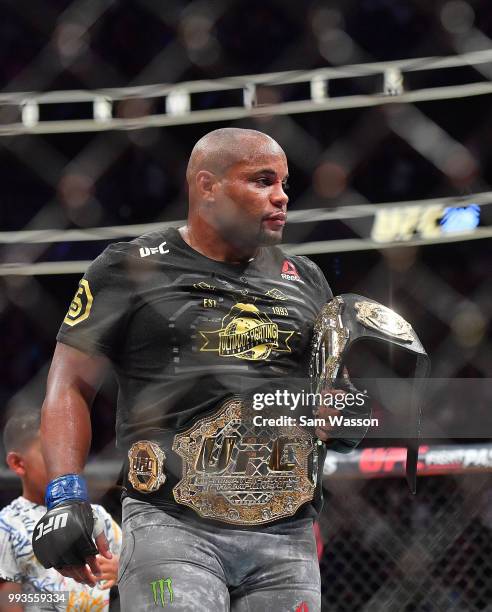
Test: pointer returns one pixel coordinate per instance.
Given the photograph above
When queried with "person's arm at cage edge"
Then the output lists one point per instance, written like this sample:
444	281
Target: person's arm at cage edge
9	588
66	432
10	574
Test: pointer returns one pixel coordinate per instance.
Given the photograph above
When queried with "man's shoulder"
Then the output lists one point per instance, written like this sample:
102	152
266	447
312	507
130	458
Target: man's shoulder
139	248
294	265
308	265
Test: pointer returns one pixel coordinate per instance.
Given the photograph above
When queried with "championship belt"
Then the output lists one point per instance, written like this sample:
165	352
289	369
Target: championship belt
240	473
348	319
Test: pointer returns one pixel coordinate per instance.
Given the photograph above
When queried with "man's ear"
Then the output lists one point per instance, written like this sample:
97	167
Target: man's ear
206	183
16	463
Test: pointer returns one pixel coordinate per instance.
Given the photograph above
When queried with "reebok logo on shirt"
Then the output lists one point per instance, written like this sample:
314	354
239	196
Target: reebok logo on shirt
289	271
146	251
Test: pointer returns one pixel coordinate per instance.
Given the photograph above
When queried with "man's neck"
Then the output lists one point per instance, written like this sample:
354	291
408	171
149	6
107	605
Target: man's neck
214	247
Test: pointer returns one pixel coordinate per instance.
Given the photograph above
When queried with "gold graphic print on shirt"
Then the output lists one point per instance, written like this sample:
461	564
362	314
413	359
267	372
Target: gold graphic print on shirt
276	294
80	306
246	333
204	286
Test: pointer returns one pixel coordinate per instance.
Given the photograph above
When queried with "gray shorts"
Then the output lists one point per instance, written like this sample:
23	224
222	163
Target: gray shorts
178	565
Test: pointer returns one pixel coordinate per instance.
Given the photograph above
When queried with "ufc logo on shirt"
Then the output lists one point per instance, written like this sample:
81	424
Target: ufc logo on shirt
145	251
54	522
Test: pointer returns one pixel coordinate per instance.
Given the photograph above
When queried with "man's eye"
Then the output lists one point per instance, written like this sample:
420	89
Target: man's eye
264	181
285	186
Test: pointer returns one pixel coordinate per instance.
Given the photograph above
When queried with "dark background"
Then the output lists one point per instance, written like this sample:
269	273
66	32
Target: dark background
337	158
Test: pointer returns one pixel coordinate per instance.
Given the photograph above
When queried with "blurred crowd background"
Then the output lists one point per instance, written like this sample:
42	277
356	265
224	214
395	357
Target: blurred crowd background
383	153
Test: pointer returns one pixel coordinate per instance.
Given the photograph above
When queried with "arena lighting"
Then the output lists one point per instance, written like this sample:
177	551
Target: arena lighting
319	89
393	82
249	95
102	109
30	113
179	111
462	219
178	102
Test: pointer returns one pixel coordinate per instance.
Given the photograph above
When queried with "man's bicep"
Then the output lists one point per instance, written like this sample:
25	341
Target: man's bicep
72	369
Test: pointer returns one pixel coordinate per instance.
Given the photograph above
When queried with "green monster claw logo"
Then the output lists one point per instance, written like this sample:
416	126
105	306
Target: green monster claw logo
159	591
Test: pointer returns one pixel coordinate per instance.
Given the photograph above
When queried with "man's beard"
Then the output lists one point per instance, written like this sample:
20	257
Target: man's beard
269	238
247	237
261	237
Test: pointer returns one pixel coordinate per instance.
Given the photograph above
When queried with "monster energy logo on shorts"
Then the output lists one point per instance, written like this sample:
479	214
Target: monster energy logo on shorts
159	591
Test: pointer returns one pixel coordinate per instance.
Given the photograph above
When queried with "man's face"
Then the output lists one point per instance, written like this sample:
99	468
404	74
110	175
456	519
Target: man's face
250	204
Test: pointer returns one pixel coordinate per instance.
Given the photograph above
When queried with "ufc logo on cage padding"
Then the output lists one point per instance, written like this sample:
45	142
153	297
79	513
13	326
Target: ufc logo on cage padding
54	522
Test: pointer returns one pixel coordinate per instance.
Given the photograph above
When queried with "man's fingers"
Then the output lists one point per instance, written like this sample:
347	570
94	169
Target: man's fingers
325	412
77	573
103	546
333	392
88	576
64	571
93	563
71	572
81	575
322	435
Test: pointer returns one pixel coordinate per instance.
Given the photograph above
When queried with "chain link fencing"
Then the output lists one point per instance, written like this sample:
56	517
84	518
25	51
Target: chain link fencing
387	551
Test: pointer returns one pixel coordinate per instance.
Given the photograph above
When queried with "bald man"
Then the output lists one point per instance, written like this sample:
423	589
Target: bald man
199	324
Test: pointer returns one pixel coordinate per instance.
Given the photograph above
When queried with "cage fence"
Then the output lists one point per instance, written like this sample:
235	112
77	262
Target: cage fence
386	550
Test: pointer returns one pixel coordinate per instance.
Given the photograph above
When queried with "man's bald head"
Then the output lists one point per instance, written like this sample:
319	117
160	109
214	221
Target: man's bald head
217	151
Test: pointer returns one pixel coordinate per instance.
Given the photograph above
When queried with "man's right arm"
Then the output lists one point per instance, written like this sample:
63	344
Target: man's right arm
73	381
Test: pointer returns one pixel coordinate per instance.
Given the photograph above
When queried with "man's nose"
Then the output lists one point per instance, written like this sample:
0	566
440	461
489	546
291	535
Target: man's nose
279	198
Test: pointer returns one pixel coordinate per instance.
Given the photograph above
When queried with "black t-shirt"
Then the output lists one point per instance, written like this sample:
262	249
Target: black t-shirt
184	332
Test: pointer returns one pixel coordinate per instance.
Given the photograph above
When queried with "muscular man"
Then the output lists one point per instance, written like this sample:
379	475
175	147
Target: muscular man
217	513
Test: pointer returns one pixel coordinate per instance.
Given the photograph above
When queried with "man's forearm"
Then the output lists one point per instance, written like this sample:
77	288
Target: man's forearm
65	431
65	419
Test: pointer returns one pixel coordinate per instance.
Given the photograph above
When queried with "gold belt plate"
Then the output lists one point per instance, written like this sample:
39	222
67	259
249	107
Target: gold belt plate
146	466
239	473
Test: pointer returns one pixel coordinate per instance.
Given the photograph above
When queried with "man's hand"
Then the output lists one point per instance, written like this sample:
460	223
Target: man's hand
95	568
63	539
327	410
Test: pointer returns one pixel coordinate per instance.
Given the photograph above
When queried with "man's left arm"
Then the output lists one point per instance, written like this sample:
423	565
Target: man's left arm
343	387
351	403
